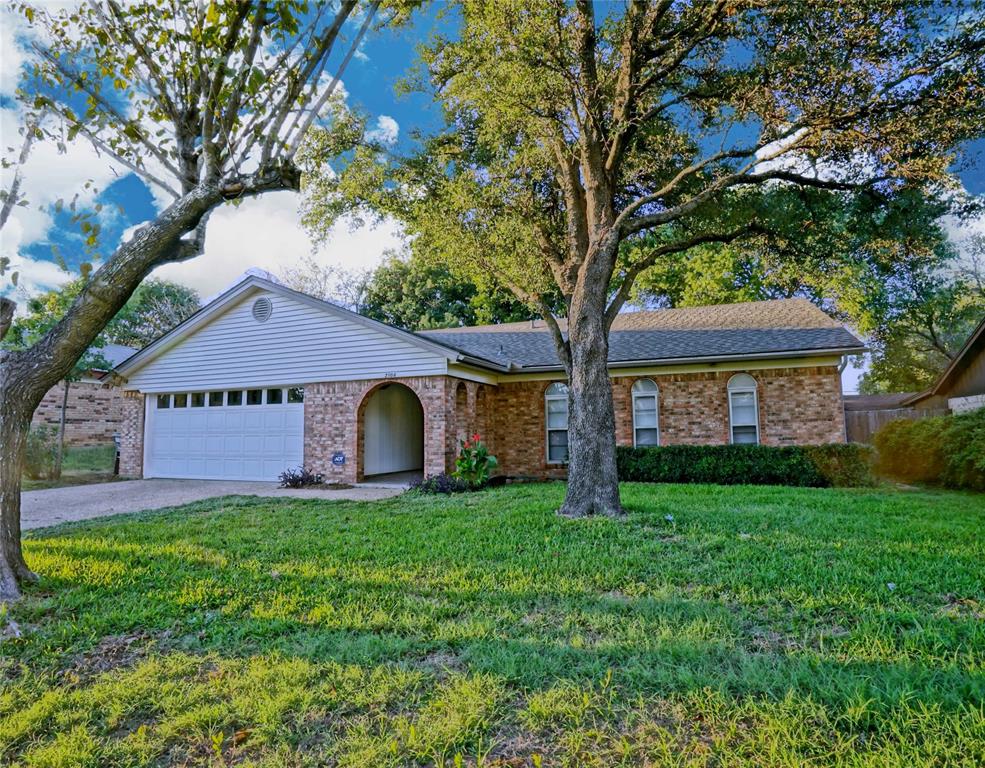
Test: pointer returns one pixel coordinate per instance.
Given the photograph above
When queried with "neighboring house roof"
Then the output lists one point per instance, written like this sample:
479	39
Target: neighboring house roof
782	327
885	402
115	353
972	348
764	329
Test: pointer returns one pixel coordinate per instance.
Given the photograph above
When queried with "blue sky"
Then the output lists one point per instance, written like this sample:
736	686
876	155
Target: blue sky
262	233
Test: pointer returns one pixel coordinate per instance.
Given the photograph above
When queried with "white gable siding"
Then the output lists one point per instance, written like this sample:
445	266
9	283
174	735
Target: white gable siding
299	344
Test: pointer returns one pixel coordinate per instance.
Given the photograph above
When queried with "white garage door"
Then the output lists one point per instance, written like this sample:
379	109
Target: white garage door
252	434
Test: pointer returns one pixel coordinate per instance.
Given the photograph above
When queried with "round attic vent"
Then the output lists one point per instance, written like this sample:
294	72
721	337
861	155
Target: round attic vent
262	309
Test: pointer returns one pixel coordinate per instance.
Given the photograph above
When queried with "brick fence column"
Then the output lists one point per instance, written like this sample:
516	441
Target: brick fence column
132	435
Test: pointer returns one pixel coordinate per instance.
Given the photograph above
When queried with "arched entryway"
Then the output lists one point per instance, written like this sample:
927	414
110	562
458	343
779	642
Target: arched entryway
392	430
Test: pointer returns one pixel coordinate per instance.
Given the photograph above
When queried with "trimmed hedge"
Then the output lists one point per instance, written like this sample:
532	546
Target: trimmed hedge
815	466
941	450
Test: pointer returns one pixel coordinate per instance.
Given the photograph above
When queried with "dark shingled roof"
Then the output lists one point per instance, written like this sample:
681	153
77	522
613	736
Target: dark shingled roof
725	331
884	402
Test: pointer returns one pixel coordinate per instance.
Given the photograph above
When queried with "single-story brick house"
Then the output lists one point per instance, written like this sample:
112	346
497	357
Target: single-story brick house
264	378
93	409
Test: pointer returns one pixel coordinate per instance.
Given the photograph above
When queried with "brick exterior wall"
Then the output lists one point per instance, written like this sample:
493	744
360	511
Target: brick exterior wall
132	435
93	413
796	406
333	421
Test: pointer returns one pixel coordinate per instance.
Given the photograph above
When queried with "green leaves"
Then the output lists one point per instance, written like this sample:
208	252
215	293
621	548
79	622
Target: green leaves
177	91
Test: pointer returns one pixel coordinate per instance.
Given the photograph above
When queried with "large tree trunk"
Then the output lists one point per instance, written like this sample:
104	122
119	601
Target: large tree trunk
593	485
15	423
25	376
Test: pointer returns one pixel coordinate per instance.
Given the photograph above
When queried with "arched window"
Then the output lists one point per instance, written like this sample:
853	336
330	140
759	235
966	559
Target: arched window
646	425
743	409
556	407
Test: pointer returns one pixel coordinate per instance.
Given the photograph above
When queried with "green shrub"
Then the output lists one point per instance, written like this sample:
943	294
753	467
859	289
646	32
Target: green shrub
41	453
816	466
474	462
964	449
944	450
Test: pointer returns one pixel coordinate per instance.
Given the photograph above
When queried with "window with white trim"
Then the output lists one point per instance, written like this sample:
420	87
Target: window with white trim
743	409
646	424
556	409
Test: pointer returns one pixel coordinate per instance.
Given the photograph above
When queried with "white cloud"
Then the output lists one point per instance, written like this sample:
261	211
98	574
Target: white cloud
386	131
13	51
33	275
961	231
265	232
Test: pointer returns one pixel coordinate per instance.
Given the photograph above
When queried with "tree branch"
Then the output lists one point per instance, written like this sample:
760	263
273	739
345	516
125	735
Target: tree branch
316	108
294	89
647	261
11	196
102	145
107	110
7	308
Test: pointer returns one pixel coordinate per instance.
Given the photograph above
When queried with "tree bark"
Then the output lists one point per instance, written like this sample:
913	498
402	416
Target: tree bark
7	308
25	376
14	426
593	484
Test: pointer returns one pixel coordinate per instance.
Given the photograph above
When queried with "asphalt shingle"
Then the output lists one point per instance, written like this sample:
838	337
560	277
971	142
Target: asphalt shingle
732	330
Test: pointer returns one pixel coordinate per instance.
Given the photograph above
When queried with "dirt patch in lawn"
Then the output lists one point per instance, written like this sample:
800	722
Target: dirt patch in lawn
113	652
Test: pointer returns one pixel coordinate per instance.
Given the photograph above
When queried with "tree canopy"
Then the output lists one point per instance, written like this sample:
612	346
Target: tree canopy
665	125
155	308
414	294
889	270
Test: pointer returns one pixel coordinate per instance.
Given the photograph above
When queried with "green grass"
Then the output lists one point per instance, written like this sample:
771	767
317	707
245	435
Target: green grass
81	465
93	458
755	627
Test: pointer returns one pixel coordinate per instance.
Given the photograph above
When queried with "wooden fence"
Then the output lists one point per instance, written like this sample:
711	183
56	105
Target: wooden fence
860	426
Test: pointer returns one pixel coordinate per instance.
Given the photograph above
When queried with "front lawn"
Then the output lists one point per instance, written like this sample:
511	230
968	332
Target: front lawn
713	626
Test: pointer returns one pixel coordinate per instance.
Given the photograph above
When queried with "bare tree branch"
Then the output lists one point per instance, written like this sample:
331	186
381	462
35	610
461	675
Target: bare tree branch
11	196
299	134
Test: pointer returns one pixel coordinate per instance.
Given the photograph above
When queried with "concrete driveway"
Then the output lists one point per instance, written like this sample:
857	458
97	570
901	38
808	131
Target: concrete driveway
40	509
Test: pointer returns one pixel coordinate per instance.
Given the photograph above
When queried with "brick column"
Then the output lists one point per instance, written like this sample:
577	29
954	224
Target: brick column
132	435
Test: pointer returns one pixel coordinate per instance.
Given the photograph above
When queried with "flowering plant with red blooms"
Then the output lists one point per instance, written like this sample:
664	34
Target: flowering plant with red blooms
474	461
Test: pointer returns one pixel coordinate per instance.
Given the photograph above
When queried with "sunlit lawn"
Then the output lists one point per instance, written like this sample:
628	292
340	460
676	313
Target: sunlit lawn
754	626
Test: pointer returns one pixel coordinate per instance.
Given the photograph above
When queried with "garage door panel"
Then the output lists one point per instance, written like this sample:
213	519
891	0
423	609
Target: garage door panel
247	442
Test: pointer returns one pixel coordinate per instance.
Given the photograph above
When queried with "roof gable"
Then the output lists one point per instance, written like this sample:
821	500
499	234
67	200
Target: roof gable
303	340
252	286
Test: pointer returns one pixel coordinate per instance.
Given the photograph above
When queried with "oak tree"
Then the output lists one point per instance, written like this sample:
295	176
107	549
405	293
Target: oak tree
568	135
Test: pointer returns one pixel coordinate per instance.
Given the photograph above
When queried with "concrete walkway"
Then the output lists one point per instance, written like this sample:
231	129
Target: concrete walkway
40	509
